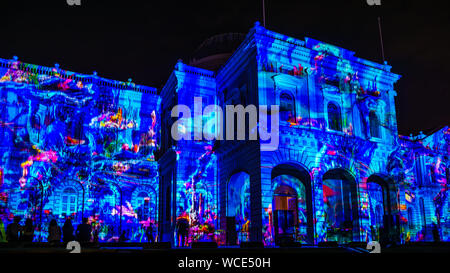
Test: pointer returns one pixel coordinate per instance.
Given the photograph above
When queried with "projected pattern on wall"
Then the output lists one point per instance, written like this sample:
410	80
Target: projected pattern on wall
80	145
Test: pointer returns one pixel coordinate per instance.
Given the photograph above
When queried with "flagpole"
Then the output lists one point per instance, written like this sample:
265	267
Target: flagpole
264	13
381	39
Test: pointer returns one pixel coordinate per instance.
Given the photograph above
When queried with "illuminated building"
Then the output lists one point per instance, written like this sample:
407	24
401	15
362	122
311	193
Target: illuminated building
340	173
75	145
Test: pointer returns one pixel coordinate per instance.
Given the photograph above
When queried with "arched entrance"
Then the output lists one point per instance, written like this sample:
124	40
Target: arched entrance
238	209
381	202
292	212
340	206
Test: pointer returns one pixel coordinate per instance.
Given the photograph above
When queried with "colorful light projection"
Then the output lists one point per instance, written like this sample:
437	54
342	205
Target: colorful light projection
238	204
77	147
376	210
366	100
422	206
341	212
289	212
74	147
197	197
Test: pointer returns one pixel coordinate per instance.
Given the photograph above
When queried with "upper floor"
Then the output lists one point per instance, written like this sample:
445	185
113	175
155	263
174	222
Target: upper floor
317	86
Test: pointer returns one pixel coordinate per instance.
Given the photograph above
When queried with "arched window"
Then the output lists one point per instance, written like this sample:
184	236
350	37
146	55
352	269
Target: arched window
287	107
69	201
334	117
109	201
374	125
143	205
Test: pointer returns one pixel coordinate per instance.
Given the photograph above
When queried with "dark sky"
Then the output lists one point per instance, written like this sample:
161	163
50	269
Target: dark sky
143	40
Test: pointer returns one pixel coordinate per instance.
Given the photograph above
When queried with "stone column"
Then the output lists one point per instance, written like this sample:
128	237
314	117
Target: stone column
266	202
319	213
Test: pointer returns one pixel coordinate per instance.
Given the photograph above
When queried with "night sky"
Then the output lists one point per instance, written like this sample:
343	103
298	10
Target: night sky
143	40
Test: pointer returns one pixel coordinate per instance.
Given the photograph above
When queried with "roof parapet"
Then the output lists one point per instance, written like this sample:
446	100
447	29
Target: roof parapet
15	64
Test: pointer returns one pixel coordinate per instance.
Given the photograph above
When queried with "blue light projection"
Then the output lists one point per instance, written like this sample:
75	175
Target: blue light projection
196	198
238	205
76	145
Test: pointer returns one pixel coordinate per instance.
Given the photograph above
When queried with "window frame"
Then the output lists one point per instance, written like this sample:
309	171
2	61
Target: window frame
284	93
70	202
373	114
338	115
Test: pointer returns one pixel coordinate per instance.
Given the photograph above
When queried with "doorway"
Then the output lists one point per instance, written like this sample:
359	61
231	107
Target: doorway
286	222
291	212
341	206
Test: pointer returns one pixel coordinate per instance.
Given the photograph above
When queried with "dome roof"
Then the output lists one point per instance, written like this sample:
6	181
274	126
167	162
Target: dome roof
216	50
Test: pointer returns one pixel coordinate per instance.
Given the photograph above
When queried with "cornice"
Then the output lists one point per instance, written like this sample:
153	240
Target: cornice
84	78
279	44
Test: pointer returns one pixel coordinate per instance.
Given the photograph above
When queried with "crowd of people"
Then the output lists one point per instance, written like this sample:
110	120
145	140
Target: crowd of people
18	233
15	232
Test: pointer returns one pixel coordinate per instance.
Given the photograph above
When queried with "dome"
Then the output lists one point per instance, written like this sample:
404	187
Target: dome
216	50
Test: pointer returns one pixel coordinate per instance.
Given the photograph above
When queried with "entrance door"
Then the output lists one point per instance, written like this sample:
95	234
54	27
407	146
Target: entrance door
285	214
292	201
341	207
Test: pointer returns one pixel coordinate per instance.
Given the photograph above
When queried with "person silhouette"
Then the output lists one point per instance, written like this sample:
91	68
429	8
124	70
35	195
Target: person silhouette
54	232
123	237
28	231
14	230
83	232
182	226
68	231
149	233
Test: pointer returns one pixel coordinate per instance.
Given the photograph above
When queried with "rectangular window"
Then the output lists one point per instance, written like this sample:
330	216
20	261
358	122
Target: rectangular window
64	204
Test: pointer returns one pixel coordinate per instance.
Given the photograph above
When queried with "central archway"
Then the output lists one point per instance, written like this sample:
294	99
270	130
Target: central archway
341	206
292	210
